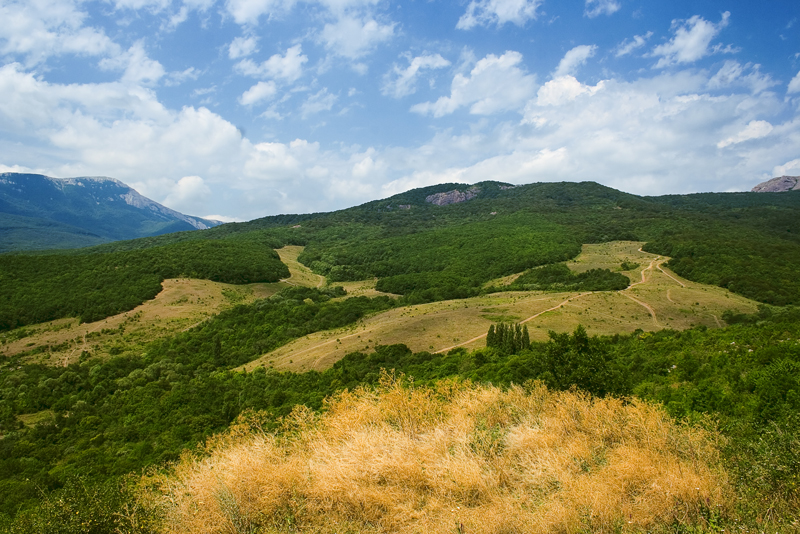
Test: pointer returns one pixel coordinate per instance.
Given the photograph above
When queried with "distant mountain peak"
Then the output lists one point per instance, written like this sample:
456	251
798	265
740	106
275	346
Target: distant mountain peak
94	208
778	185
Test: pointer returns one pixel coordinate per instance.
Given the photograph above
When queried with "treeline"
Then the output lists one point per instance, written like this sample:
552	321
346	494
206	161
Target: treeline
39	288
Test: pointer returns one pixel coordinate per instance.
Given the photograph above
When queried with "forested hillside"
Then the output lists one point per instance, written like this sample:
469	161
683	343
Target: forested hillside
75	438
746	242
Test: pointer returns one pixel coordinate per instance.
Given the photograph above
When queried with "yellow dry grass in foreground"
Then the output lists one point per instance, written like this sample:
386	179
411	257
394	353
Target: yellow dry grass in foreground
460	458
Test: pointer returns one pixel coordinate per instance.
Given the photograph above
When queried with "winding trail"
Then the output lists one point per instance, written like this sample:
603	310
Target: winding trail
557	306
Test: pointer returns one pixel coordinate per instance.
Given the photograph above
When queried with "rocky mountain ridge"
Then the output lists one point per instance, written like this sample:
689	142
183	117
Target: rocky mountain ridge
778	185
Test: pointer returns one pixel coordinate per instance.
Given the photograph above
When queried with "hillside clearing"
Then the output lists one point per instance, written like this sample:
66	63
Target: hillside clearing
656	299
181	304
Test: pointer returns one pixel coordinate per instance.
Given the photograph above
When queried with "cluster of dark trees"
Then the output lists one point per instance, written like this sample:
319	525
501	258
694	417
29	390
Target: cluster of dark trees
508	338
559	277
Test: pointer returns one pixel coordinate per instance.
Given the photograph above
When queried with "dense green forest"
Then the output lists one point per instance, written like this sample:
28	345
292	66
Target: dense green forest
118	416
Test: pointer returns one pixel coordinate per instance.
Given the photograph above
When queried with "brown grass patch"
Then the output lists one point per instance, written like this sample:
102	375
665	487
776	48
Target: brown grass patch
458	458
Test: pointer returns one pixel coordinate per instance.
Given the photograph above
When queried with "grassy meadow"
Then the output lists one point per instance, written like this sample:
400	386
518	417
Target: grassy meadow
659	299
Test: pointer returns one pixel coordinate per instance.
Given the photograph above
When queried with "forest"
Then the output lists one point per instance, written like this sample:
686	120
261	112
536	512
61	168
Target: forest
103	422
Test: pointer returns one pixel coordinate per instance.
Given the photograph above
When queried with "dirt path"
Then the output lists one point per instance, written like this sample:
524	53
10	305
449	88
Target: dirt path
557	306
649	308
666	273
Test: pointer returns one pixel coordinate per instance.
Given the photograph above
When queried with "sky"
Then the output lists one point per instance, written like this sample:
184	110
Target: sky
237	109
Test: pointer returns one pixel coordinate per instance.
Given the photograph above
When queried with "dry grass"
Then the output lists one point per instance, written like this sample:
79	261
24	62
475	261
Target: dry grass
458	458
181	304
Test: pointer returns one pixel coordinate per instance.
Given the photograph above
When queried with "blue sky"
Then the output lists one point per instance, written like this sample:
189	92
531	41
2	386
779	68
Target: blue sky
242	108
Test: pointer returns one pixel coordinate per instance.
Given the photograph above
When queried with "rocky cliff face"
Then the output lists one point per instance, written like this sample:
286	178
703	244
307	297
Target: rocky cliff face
779	185
453	197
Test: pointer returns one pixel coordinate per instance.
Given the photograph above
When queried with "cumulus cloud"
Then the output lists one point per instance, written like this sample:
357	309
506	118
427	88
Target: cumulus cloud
574	59
794	85
732	73
401	82
628	46
790	168
189	195
247	12
320	101
595	8
288	67
753	130
45	28
354	37
498	12
257	93
564	89
691	41
494	85
137	67
242	46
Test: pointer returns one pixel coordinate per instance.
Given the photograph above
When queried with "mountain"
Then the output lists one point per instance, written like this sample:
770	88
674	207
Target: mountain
778	185
39	212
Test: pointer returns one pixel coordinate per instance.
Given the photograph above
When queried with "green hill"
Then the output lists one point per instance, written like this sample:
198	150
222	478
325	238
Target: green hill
76	438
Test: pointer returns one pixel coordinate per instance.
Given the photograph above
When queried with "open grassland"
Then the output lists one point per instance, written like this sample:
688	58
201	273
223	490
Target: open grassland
181	304
458	458
656	299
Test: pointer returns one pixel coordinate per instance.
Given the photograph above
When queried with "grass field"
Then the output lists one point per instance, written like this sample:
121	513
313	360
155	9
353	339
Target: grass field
656	299
181	304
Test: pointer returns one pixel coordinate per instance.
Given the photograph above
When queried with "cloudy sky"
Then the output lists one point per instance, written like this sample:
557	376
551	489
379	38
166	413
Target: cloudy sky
244	108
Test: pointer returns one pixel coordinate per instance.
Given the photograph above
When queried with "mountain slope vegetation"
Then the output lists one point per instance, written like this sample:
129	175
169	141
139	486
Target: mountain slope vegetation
76	439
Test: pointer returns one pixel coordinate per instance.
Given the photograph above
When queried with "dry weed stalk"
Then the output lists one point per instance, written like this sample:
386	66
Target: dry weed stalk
458	458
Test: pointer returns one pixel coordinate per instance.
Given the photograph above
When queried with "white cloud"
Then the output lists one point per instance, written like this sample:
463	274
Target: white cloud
495	84
626	46
732	73
257	93
753	130
137	66
794	85
177	78
354	37
574	59
400	82
38	29
596	8
288	67
564	89
189	195
790	168
691	41
320	101
242	46
247	12
498	12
